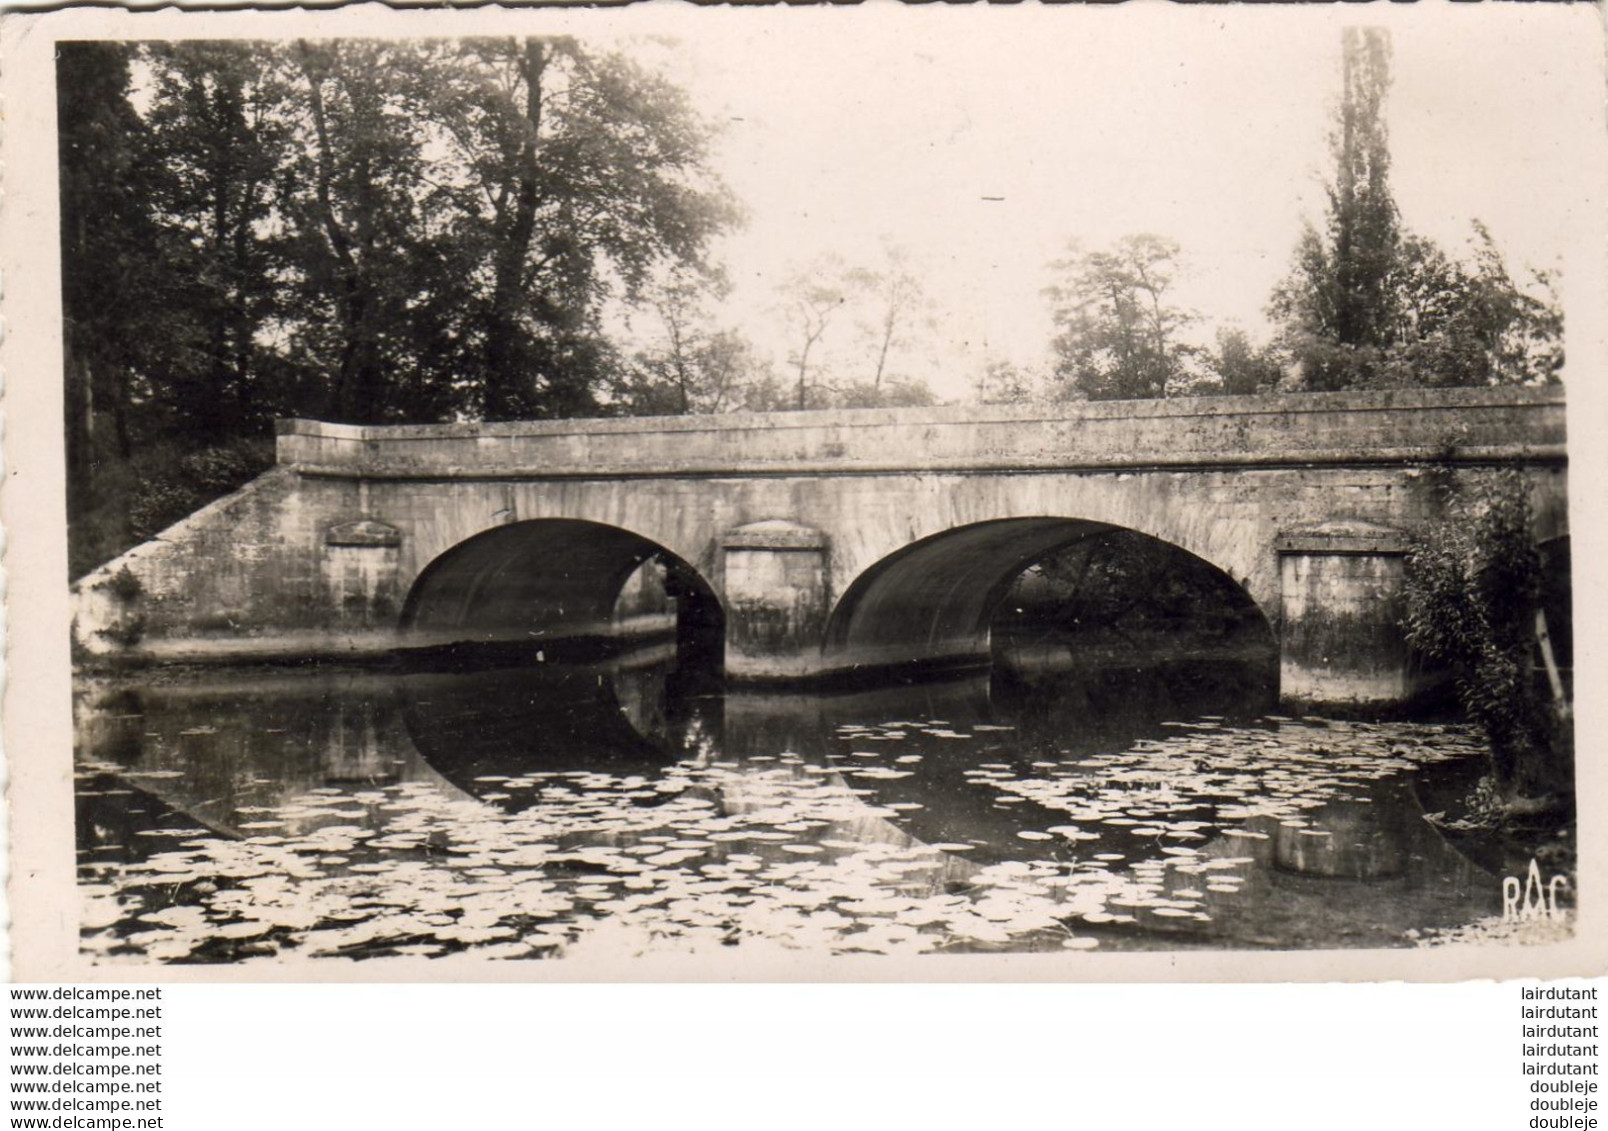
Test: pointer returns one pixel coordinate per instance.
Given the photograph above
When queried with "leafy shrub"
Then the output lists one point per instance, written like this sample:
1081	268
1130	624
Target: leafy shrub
161	483
177	487
1473	584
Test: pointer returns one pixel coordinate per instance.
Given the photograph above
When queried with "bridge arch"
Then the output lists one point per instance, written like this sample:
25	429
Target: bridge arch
559	582
935	599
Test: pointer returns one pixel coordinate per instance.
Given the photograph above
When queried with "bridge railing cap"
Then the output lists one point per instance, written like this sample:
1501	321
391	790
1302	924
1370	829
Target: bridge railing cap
1262	404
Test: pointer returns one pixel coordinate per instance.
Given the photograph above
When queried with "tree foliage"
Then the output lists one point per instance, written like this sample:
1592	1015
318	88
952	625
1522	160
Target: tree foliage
1363	225
107	248
691	365
1339	302
588	172
1117	330
1466	322
1004	382
363	231
1474	583
1368	304
1239	367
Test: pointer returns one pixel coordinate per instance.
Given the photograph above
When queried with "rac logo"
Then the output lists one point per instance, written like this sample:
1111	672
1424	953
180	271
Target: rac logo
1535	898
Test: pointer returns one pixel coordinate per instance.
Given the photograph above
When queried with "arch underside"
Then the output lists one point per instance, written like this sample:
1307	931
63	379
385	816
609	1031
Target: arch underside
935	600
541	579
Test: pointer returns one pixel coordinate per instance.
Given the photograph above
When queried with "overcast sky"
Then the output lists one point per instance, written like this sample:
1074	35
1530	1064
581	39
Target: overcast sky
845	128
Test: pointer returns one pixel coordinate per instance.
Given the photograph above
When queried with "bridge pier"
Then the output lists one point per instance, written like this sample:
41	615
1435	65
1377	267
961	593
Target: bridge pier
778	598
1342	587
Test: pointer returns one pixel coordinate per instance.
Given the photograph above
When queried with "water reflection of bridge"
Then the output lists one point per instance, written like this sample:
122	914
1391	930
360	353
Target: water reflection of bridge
265	748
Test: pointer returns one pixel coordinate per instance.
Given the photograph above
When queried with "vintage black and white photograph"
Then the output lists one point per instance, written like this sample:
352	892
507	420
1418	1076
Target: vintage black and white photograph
786	489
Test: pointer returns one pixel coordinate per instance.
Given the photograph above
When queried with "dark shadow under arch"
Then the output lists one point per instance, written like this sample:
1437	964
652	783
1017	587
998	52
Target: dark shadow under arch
552	581
479	728
936	598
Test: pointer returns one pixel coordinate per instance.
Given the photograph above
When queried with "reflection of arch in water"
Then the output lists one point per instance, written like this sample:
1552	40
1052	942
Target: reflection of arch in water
552	583
1017	723
936	599
477	728
1100	708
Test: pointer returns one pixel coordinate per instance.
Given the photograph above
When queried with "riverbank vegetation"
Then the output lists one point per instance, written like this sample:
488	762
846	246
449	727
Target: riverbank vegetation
1477	597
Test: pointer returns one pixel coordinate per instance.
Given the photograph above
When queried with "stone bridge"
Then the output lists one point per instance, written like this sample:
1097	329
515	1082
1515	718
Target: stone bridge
821	541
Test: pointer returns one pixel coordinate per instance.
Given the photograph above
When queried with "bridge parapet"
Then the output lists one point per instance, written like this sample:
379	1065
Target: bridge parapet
1385	427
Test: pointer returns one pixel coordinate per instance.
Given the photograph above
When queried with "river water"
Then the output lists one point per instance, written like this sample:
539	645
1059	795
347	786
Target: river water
632	808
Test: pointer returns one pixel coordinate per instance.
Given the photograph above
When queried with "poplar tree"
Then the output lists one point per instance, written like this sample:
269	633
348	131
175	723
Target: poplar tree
1368	304
1338	305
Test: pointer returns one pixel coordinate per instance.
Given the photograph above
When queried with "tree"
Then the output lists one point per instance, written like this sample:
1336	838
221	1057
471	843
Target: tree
424	230
1241	368
109	249
893	392
811	298
849	327
766	391
1117	336
157	312
582	173
215	129
693	366
1466	322
102	230
1368	304
353	196
1004	382
892	300
367	231
1338	306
